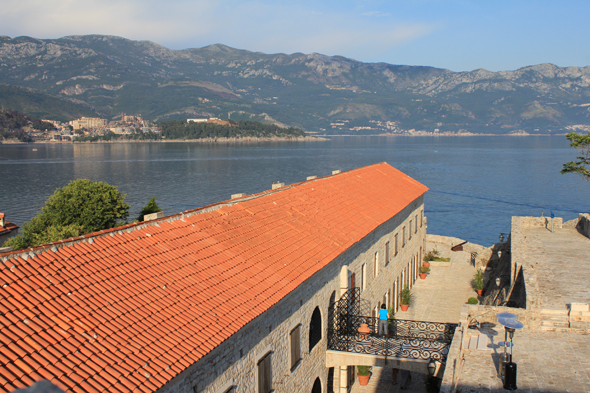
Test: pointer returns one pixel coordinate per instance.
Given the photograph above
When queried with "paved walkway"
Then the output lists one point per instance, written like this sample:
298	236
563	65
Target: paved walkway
546	362
562	257
438	298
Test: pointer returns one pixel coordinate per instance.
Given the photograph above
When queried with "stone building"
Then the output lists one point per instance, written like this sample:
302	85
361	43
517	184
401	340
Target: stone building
88	123
233	297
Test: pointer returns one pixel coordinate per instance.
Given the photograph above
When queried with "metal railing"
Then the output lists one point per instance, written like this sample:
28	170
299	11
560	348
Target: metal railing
404	338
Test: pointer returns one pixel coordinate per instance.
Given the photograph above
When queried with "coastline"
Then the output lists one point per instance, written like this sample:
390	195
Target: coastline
307	138
201	140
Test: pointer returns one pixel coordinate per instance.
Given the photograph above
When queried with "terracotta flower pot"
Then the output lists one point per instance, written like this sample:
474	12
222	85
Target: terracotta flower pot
479	292
363	379
364	331
426	264
422	275
404	307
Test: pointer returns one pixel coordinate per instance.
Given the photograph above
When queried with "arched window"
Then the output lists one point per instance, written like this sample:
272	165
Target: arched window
315	328
317	386
332	310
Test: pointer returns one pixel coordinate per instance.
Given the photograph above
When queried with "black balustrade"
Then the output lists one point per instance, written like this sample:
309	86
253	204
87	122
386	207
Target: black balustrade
405	339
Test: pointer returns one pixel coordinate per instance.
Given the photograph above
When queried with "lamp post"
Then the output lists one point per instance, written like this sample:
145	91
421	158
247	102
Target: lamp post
431	368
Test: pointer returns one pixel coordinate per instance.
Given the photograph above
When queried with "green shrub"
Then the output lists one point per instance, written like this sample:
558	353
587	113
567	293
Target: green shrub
363	370
472	300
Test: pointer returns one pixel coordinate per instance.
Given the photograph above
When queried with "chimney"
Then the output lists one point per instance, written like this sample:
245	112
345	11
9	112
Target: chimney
153	216
2	220
337	171
276	185
311	177
234	196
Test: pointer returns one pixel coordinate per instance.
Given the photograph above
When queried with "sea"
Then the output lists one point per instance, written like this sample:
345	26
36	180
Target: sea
476	183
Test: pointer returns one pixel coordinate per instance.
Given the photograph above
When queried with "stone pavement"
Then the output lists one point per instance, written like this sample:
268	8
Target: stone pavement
562	257
546	362
438	298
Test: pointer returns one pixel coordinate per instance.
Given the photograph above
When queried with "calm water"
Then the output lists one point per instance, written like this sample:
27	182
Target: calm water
476	183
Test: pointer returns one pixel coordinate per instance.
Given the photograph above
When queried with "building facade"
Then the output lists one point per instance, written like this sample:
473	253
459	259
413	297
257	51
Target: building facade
88	123
233	297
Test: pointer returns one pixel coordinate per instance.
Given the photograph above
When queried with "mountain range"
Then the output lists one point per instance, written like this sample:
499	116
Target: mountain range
106	76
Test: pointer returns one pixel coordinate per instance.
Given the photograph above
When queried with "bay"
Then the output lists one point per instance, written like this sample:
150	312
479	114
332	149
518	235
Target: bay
476	183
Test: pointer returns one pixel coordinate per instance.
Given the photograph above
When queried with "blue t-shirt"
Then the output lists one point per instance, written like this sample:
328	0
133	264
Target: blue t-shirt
382	314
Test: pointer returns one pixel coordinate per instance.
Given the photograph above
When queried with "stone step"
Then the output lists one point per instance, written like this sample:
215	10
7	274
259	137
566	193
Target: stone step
548	311
556	318
556	329
555	323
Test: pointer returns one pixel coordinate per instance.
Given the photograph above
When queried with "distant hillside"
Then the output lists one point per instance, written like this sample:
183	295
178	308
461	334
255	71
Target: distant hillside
108	75
180	129
12	124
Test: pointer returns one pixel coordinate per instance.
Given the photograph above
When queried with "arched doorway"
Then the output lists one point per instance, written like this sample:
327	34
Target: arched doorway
315	328
317	386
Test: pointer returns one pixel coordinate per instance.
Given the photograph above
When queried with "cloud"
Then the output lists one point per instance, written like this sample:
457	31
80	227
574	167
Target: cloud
258	25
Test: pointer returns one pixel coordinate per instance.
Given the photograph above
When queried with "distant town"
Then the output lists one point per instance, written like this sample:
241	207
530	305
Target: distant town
92	126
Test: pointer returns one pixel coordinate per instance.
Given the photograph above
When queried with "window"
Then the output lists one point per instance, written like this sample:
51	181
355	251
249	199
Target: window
386	253
410	231
315	328
395	243
416	226
264	382
317	386
376	265
421	217
295	347
363	276
404	237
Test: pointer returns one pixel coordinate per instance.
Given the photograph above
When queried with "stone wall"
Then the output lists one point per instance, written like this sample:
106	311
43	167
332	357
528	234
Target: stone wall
483	253
584	224
481	315
234	362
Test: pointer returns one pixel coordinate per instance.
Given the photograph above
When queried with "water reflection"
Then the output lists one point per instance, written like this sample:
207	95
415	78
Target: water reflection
476	183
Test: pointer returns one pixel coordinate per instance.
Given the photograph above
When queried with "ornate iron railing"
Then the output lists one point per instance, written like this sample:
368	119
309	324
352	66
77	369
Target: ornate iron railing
404	338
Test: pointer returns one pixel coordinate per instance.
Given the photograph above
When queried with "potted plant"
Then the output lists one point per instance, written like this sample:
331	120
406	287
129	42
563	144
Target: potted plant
424	271
363	373
478	282
405	297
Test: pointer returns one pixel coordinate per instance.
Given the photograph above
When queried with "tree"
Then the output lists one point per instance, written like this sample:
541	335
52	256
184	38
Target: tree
582	165
80	207
151	207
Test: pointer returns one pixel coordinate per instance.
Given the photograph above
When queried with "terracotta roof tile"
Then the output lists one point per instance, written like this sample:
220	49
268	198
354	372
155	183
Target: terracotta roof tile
127	311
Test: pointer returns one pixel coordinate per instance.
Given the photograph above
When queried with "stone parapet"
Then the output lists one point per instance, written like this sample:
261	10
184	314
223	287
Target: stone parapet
584	224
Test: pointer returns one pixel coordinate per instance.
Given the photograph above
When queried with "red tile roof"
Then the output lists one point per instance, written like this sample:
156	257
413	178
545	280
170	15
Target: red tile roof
129	309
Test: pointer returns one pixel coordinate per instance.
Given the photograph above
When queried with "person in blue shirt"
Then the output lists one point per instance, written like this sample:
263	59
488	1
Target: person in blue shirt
383	317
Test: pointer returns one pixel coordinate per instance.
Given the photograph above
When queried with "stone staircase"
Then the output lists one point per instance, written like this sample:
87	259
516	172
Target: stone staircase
555	320
574	320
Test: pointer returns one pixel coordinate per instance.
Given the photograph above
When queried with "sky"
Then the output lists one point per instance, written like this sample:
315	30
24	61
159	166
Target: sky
458	35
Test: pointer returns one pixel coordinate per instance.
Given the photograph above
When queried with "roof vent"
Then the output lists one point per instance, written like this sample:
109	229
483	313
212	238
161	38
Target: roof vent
234	196
277	185
153	216
337	171
311	177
